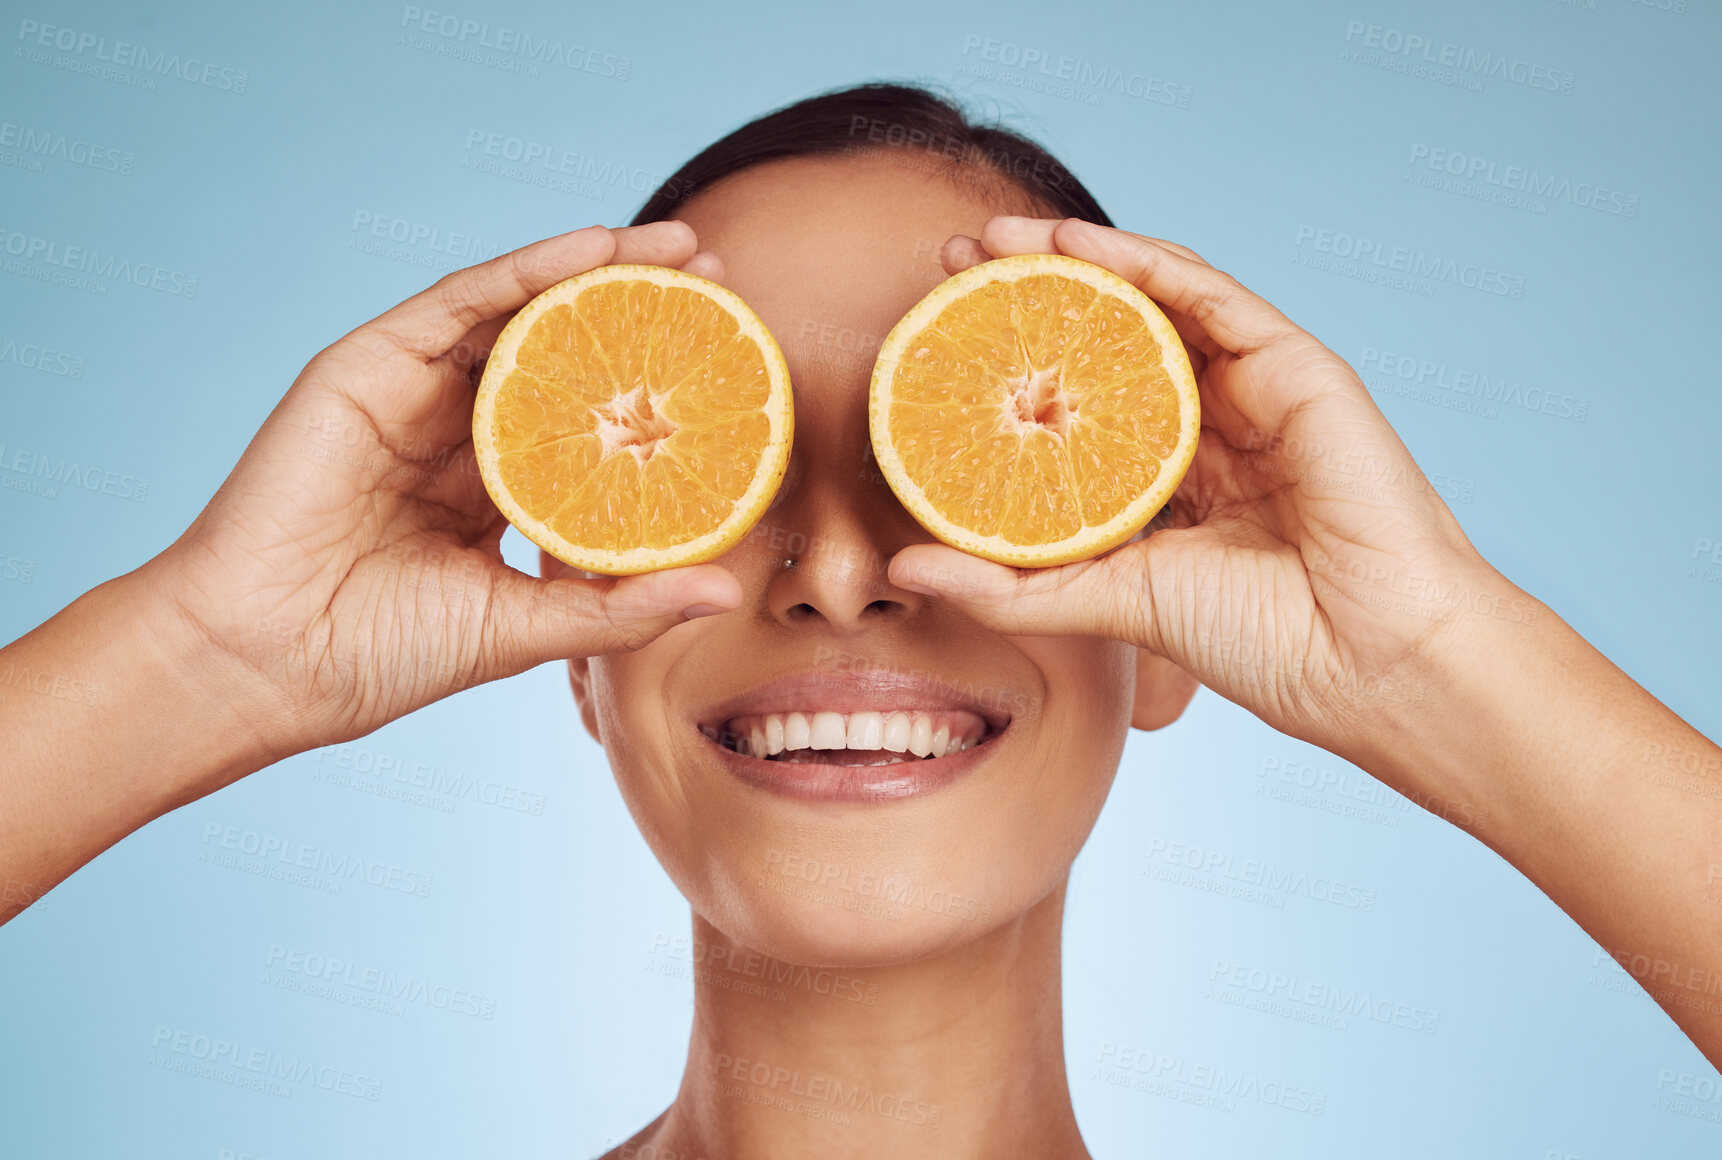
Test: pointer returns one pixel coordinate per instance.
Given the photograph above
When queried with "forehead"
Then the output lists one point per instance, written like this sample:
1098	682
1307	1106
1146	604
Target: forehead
832	251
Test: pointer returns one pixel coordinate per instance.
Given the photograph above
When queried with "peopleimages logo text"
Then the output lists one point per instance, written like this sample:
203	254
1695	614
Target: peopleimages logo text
512	42
374	980
42	143
220	1052
35	357
1411	262
1266	875
564	162
1446	54
1083	73
18	461
1465	381
1522	179
318	859
84	260
123	54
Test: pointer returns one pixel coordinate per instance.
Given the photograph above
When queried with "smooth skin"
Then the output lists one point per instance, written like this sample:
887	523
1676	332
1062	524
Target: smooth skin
1308	574
1376	631
918	993
346	573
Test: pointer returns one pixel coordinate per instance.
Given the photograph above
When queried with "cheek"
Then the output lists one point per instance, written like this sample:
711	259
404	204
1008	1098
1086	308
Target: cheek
607	704
634	727
1090	690
1079	736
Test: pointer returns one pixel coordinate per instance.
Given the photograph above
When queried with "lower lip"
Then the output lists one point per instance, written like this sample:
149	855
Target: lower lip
819	782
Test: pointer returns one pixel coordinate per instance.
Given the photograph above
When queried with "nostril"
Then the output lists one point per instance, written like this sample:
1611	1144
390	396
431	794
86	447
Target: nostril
883	607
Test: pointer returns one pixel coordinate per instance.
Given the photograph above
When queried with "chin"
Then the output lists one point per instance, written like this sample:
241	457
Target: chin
861	818
819	912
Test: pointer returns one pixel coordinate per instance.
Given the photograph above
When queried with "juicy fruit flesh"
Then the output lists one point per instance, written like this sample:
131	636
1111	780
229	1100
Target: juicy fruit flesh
615	441
1033	408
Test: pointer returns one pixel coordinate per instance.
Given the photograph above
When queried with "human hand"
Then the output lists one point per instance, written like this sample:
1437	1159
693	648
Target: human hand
349	569
1305	566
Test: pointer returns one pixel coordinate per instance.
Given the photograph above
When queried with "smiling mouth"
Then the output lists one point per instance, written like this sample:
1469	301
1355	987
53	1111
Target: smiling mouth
862	738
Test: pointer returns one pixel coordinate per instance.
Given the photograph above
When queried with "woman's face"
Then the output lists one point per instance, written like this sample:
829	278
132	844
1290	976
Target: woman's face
855	856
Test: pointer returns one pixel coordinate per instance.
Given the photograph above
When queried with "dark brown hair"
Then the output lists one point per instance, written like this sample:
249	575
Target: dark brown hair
877	118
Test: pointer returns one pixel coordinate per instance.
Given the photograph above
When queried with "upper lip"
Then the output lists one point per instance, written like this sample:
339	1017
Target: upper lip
876	690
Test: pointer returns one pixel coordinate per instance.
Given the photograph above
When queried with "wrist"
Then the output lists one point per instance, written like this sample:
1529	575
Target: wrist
214	717
1444	721
113	715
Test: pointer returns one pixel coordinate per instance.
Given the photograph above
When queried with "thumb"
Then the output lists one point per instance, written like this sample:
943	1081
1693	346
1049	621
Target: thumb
1105	596
533	621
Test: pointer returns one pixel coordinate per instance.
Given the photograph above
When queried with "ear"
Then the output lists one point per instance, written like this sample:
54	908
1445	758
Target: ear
1163	691
580	678
579	668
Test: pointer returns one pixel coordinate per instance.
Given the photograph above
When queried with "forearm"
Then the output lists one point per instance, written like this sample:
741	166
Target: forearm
1593	789
112	715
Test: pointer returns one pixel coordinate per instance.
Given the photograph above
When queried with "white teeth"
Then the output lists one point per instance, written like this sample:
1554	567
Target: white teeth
797	733
934	733
921	735
897	729
828	731
865	731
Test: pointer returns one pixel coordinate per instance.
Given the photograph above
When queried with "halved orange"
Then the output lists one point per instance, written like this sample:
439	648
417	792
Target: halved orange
1034	410
633	418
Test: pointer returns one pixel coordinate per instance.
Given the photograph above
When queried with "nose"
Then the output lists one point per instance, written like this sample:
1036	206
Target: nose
831	570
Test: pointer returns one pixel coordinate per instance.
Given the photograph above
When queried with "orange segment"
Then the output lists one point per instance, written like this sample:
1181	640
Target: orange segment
633	418
1034	410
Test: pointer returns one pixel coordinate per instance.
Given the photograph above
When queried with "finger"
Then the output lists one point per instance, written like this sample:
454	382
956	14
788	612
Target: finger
429	323
447	331
1105	596
661	247
1005	236
470	353
1238	320
1186	251
544	620
705	264
667	243
960	252
658	244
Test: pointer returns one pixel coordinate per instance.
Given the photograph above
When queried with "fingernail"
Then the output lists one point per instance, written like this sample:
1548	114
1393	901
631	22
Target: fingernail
695	611
911	586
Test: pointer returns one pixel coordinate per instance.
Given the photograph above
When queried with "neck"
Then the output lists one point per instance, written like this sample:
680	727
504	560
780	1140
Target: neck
957	1055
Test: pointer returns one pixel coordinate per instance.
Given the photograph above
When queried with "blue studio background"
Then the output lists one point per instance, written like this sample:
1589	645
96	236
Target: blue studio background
326	160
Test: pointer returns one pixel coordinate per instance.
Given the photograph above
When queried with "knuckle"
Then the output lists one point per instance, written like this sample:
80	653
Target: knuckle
449	284
622	632
524	265
448	294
